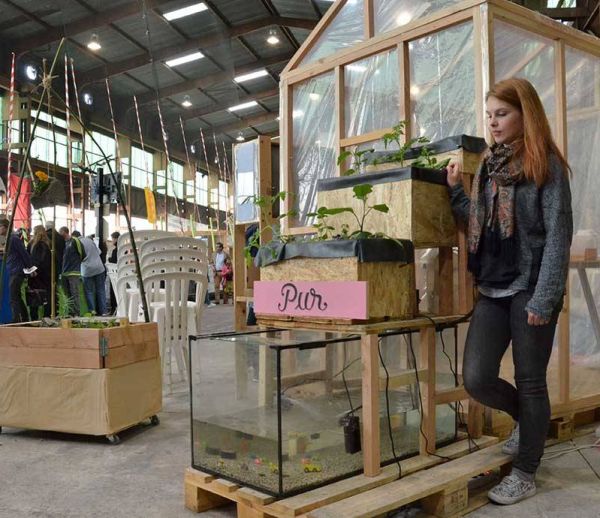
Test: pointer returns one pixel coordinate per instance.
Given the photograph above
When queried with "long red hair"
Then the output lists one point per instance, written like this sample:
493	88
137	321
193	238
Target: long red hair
537	143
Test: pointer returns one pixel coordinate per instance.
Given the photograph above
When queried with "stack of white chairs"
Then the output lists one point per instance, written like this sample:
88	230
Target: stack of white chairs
174	270
127	291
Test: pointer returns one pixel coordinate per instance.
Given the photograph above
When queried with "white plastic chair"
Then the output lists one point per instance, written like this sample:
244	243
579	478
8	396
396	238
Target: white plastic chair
187	254
173	315
111	273
172	243
141	236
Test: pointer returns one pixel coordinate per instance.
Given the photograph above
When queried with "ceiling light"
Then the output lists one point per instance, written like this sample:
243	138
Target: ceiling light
94	44
184	59
252	75
187	102
296	114
272	39
314	96
415	90
240	137
31	72
403	18
88	99
242	106
193	148
185	11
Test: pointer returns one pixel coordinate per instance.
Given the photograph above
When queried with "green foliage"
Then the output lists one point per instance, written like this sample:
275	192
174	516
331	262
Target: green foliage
267	203
359	160
94	323
65	303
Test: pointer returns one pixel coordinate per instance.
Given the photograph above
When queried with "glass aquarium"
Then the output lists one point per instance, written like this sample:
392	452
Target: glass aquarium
280	411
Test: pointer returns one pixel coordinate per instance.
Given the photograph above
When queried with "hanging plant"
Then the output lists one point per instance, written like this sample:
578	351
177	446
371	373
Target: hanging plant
47	192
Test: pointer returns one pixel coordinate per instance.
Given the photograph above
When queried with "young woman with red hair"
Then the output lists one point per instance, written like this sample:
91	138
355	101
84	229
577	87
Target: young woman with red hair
520	228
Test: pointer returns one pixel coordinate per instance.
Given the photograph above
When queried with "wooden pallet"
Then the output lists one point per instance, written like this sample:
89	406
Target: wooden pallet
271	320
204	492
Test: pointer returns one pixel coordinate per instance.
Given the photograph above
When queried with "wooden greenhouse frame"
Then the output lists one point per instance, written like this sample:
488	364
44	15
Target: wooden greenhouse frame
482	14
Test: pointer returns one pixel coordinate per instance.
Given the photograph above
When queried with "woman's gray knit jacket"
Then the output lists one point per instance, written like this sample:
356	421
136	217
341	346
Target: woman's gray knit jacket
543	230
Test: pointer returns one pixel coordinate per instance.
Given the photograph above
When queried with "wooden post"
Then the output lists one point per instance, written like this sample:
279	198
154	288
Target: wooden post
475	419
427	389
370	401
239	278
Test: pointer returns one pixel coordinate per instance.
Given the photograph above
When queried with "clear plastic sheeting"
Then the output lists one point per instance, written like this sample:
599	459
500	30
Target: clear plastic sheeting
391	14
345	30
442	83
246	181
313	140
372	94
583	135
519	53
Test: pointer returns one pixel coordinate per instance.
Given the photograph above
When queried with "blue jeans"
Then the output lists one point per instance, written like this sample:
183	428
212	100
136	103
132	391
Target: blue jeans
494	324
95	293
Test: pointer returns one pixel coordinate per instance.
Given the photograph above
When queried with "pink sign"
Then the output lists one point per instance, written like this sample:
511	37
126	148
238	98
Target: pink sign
327	299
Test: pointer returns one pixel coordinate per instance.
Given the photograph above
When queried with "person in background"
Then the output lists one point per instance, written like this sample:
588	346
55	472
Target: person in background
113	254
93	275
39	249
17	260
73	255
113	259
217	265
227	280
59	250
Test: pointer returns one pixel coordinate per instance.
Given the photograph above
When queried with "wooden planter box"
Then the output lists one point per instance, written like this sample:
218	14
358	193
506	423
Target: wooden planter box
390	283
417	198
31	345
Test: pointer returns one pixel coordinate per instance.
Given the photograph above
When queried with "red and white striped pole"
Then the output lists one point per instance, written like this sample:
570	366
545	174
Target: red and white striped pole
11	109
68	121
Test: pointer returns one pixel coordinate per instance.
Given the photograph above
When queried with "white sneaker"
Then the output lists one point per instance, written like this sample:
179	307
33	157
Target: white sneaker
511	446
512	489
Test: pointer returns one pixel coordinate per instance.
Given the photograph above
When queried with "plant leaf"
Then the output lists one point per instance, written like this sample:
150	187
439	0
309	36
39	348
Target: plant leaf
343	156
381	207
362	190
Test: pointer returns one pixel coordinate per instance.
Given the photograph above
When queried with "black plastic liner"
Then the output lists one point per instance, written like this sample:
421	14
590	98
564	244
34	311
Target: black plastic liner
367	250
466	142
399	174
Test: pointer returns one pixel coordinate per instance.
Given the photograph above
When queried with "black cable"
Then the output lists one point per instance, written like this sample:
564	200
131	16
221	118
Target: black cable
459	407
345	382
387	404
414	358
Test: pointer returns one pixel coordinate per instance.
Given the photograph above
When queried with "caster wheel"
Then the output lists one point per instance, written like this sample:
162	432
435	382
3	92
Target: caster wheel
154	420
113	439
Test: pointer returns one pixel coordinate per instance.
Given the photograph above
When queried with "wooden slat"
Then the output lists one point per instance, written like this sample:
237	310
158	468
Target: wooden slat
305	502
427	349
415	487
450	395
365	137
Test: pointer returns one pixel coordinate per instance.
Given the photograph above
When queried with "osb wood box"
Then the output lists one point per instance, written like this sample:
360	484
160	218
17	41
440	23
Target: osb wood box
419	206
32	345
387	267
418	199
464	149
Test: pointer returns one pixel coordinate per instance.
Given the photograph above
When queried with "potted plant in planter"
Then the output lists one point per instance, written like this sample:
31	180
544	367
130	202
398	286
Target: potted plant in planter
351	275
411	181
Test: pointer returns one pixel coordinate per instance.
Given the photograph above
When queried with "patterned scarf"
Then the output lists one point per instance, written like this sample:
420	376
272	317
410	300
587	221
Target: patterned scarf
497	164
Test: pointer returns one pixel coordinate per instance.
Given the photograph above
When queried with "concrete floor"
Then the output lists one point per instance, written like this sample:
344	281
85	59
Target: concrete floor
53	475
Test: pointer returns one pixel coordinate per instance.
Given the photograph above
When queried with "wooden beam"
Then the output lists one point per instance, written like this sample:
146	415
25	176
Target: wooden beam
245	123
427	350
211	40
212	79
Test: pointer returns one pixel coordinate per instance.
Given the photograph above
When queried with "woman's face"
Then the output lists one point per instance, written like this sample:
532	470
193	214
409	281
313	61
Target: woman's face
504	121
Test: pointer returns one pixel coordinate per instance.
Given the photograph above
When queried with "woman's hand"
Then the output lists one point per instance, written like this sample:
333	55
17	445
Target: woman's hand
536	320
454	176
